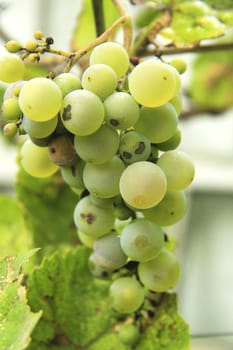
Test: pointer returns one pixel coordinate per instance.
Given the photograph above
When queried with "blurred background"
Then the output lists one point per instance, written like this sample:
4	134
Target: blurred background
205	235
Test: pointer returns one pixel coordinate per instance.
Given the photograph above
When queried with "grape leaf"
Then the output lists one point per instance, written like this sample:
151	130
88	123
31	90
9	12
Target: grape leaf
85	30
16	319
49	205
211	84
77	311
15	235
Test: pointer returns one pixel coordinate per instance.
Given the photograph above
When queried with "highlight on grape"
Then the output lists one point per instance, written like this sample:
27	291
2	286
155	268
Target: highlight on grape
115	145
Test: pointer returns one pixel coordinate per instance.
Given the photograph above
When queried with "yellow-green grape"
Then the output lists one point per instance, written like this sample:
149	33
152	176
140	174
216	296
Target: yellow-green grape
102	180
39	129
100	79
83	112
99	147
11	109
143	185
160	274
152	83
121	111
178	168
177	79
169	211
179	64
127	295
35	160
172	143
141	240
12	68
108	253
10	129
13	46
93	220
96	270
67	82
129	334
40	99
112	54
86	240
177	103
158	124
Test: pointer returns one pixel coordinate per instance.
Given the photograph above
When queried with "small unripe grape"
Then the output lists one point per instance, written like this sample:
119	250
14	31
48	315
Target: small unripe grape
13	46
10	130
129	334
11	109
38	35
31	45
179	64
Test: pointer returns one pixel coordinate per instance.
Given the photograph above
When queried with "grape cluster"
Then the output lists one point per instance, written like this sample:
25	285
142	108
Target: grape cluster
112	134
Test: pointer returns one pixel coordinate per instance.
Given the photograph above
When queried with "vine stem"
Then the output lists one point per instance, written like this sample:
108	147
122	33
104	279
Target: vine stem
192	49
74	57
127	27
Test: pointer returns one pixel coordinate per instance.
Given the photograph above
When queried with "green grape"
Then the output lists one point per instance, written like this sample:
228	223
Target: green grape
129	334
108	253
67	82
178	168
35	160
12	68
134	147
99	147
179	64
122	212
83	112
93	220
40	99
160	274
172	143
177	79
121	111
11	109
157	124
96	270
10	129
41	142
152	83
73	175
100	79
103	179
101	202
85	239
143	185
113	55
154	153
39	129
127	295
169	211
141	240
177	103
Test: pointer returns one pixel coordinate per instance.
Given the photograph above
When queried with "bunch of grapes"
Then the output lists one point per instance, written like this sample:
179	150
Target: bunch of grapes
113	136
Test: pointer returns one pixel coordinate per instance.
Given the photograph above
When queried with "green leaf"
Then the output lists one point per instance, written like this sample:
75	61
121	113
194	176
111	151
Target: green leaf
85	30
168	331
77	310
226	17
211	85
49	204
16	319
15	235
